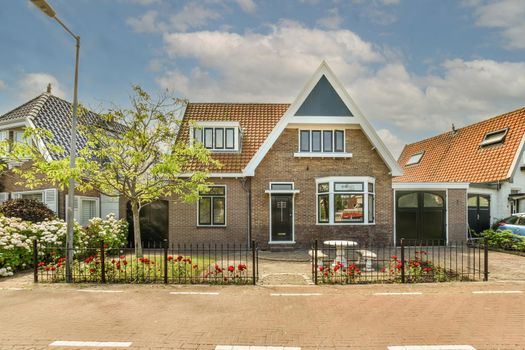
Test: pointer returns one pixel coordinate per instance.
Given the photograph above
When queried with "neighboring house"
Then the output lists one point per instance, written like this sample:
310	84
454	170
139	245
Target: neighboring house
313	169
465	178
54	114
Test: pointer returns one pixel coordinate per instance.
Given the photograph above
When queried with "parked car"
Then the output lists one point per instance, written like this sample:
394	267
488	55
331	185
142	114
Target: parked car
514	223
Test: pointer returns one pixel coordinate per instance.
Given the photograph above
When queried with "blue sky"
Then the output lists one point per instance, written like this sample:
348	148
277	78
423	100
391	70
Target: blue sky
413	66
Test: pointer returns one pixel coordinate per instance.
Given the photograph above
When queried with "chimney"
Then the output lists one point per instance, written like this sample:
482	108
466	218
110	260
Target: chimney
48	88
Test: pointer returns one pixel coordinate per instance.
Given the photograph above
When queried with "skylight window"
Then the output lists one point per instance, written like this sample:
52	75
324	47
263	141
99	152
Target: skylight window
415	158
493	138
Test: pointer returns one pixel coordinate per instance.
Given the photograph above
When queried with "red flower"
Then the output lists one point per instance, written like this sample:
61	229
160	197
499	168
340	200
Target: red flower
113	261
61	260
195	266
231	268
241	267
41	264
106	246
399	265
118	265
321	268
47	268
122	257
393	257
427	269
89	259
218	269
382	270
180	257
170	258
92	270
125	262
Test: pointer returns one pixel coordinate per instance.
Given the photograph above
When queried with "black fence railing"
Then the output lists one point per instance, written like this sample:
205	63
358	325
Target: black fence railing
160	263
346	262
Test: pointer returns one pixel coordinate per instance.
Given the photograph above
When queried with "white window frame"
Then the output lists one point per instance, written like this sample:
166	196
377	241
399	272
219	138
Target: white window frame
81	199
321	153
211	212
224	125
415	158
498	140
332	180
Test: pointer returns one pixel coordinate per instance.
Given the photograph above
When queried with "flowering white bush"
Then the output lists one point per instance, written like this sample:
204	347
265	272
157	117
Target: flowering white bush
16	238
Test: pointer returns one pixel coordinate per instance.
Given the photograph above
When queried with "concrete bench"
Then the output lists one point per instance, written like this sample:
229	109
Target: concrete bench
320	256
366	257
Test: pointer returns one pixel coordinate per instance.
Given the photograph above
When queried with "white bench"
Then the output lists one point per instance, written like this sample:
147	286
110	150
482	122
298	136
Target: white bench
367	257
320	256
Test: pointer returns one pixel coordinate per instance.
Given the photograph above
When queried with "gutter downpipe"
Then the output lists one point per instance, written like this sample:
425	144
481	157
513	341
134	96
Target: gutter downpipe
248	190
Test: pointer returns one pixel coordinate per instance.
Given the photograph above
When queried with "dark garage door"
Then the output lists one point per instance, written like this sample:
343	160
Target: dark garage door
420	215
479	212
153	223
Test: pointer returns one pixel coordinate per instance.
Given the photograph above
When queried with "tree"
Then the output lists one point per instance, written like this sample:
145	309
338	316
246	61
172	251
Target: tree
128	152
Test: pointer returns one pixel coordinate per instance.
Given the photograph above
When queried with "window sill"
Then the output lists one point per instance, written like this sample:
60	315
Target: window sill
211	226
347	224
322	155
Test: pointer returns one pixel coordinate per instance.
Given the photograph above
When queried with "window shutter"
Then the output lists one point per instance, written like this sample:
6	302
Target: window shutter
88	210
16	195
51	199
4	196
76	215
109	205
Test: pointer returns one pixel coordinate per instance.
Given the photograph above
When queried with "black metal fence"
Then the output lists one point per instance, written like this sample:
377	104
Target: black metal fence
159	263
344	262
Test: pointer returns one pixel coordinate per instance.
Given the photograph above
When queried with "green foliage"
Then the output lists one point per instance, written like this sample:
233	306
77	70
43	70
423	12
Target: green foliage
27	210
503	240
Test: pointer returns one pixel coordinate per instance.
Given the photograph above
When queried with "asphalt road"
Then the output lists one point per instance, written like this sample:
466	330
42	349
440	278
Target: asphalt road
481	315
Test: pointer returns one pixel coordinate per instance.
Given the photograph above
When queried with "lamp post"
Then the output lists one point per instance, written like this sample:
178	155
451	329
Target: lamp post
48	10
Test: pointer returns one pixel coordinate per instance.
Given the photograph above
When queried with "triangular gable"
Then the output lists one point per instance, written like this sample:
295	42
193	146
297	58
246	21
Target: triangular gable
358	118
323	101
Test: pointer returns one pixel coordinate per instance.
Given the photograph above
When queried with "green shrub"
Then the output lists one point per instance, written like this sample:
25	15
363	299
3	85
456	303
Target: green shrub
503	240
27	210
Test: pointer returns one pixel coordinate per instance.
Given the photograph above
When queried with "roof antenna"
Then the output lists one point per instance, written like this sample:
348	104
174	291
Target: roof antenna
48	88
454	131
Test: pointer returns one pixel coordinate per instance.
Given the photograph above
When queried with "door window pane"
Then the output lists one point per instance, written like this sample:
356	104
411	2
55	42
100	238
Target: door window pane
305	141
218	211
205	211
323	207
473	201
208	138
230	138
484	202
327	141
348	208
316	141
407	200
219	138
431	200
339	141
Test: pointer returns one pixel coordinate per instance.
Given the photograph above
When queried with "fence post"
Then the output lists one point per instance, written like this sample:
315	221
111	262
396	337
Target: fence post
35	261
165	261
402	260
102	262
253	263
315	262
486	261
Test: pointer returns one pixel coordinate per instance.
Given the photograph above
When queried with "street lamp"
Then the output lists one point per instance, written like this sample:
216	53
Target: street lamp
48	10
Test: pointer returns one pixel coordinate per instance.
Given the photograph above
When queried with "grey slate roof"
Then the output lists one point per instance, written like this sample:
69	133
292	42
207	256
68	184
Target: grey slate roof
54	114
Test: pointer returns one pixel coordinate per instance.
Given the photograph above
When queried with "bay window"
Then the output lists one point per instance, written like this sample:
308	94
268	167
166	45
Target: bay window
345	200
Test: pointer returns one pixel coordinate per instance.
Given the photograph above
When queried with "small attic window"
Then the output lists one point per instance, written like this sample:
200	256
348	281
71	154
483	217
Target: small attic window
493	138
415	158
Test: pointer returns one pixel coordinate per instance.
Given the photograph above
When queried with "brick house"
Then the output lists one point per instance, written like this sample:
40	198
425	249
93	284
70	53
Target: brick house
49	112
291	172
465	178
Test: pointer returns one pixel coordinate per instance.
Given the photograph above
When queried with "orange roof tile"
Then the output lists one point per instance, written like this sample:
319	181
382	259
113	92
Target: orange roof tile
458	157
256	121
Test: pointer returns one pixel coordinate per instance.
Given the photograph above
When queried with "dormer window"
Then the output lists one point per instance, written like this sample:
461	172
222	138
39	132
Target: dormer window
218	138
415	158
493	138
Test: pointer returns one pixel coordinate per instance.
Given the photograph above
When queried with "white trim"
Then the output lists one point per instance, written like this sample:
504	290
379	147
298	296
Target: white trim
282	191
290	192
40	143
323	120
216	123
515	161
429	185
446	216
212	225
358	117
11	124
322	155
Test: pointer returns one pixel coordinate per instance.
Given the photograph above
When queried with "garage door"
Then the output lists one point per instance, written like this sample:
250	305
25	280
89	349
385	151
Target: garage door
420	215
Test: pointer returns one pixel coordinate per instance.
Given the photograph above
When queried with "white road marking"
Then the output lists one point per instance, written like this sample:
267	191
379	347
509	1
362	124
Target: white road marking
255	347
432	347
93	344
99	291
294	294
399	293
497	292
15	288
194	293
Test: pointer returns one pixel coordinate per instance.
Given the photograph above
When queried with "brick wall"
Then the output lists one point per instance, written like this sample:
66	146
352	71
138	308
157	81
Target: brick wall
457	215
280	165
183	218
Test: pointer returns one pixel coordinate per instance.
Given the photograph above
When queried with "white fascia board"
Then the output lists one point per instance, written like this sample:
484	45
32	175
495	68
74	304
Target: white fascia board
515	161
429	185
323	120
40	143
218	175
13	123
214	123
358	118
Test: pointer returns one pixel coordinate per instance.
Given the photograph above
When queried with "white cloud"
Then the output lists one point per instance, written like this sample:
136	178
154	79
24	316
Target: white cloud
192	15
392	142
3	85
248	6
505	15
143	2
332	21
391	2
33	84
145	24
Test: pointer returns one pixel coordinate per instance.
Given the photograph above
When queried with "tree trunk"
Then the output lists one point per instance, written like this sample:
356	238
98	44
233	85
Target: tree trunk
136	229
